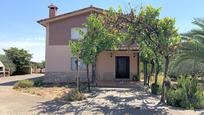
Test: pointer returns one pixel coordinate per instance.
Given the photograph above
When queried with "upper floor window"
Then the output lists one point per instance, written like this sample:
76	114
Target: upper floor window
75	32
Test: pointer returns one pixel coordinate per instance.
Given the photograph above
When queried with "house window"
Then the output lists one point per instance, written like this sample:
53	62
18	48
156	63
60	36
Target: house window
82	66
75	33
1	68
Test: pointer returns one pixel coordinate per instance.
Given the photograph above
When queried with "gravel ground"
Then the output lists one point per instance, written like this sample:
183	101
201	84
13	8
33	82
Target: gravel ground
111	101
115	101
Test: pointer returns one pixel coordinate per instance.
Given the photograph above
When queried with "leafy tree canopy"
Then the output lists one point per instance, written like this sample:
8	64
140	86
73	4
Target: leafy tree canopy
20	57
8	63
38	64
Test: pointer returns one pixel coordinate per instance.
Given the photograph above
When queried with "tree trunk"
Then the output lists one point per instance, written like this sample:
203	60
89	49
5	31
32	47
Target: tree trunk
148	79
87	68
77	75
157	69
193	72
145	72
166	66
152	68
150	73
94	71
163	98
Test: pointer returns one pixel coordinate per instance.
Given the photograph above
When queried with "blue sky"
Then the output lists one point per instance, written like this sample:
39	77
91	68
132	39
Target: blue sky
18	27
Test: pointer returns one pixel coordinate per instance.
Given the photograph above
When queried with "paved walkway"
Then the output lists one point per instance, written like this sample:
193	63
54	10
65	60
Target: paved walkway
109	101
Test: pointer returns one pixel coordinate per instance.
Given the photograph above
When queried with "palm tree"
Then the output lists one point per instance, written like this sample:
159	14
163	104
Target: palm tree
192	46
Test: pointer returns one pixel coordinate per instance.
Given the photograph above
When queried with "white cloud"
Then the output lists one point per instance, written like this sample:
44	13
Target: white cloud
21	44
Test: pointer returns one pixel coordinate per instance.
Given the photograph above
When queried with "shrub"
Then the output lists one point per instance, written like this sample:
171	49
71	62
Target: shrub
75	95
187	95
136	78
24	84
155	89
38	83
175	97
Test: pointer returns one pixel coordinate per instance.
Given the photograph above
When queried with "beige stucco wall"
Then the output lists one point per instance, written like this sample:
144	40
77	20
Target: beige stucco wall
58	65
58	59
58	54
105	66
60	31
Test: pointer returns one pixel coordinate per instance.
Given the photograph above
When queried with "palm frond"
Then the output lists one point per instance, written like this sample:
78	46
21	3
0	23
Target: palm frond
192	48
199	22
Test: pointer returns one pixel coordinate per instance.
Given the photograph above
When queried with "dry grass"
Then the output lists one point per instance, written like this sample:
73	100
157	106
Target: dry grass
159	80
46	92
152	78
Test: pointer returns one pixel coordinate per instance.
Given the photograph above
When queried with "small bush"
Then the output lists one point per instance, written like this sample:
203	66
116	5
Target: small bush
75	95
155	89
38	83
136	78
175	97
24	84
187	94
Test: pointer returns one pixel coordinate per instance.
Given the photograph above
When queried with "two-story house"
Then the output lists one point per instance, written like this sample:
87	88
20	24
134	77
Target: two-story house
60	63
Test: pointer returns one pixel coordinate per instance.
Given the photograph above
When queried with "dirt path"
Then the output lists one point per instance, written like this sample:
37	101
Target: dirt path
13	102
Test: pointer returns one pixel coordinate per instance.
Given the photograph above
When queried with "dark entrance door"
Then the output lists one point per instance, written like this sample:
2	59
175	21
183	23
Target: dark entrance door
122	67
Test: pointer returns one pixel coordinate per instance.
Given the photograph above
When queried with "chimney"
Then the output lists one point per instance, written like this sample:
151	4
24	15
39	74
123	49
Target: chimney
52	10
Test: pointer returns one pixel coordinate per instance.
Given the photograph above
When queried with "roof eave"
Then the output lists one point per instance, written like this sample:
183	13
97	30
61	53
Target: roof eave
44	22
41	23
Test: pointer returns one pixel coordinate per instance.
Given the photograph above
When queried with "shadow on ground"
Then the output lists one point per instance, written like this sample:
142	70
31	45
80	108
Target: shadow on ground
11	83
106	104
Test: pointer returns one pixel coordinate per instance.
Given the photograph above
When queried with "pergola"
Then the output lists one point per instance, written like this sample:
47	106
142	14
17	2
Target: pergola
2	68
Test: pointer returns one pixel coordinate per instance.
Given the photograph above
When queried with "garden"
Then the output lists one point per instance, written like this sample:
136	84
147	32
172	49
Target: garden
177	57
